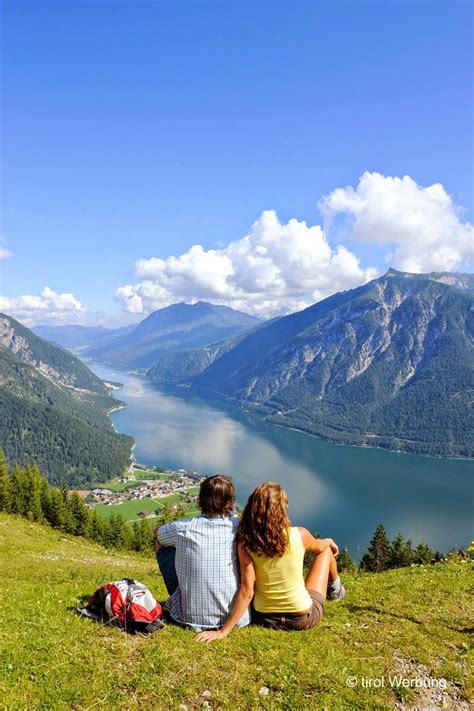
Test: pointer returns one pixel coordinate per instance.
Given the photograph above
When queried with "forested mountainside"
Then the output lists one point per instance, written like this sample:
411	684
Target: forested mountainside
174	328
77	338
389	364
54	411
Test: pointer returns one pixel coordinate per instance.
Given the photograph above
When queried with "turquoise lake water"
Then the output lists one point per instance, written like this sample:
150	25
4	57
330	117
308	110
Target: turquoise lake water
338	491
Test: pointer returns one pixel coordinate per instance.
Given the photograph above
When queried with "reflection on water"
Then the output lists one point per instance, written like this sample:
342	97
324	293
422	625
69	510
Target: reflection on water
335	490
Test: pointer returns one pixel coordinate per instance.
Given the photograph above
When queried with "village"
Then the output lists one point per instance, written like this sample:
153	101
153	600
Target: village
153	486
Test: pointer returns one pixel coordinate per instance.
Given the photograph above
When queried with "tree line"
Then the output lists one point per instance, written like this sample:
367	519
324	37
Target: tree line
25	492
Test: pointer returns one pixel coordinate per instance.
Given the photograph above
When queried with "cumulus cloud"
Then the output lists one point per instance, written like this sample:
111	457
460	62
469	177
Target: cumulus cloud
275	269
48	306
5	253
422	227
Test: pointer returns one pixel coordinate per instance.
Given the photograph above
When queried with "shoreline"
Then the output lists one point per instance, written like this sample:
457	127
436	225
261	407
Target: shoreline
251	408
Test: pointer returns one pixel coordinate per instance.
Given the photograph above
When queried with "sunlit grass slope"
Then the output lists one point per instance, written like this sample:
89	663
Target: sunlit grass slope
412	622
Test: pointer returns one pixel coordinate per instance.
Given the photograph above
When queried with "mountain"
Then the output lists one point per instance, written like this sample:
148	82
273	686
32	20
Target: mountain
77	338
54	410
174	328
388	364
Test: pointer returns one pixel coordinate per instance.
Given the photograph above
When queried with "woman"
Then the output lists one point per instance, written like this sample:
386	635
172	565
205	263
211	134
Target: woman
271	554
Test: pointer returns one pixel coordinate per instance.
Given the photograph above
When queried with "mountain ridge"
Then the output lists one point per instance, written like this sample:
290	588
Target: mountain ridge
389	363
54	410
172	328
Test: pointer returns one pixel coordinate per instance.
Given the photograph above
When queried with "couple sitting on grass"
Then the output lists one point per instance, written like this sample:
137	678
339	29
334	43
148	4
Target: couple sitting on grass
214	565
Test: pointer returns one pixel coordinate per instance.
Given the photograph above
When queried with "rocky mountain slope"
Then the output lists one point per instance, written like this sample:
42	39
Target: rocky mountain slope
54	410
174	328
388	364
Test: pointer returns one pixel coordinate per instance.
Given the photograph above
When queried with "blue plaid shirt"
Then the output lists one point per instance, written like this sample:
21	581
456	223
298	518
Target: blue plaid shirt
207	568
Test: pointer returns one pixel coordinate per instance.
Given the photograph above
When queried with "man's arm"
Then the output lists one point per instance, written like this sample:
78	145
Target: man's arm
166	535
243	600
317	545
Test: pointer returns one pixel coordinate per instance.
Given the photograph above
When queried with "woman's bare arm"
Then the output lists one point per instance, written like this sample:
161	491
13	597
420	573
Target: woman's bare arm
243	600
317	545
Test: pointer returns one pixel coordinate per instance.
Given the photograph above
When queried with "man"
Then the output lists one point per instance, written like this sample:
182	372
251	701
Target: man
198	560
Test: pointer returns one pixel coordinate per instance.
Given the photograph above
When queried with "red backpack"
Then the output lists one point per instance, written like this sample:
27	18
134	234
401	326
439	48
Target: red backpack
126	604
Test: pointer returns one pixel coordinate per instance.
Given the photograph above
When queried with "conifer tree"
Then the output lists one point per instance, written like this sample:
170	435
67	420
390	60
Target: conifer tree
19	492
376	558
69	525
5	486
97	528
34	506
422	554
120	533
79	514
141	539
344	561
45	497
57	509
399	554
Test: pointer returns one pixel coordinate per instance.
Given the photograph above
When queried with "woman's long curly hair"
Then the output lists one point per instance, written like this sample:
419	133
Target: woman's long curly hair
264	525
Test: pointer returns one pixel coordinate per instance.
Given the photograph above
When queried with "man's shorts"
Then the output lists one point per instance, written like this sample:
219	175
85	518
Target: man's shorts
291	621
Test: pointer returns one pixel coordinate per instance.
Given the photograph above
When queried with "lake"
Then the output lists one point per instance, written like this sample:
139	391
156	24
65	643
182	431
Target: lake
338	491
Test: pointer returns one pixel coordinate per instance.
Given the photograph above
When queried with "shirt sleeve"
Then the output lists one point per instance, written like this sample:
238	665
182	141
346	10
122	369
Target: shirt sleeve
168	534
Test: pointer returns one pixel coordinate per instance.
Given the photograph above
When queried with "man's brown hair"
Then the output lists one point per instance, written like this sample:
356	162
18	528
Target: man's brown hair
216	496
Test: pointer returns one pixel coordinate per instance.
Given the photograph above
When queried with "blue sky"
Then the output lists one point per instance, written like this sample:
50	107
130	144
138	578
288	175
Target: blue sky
136	130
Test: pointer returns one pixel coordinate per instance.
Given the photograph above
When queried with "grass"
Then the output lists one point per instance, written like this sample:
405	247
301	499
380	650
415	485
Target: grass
129	509
402	621
151	474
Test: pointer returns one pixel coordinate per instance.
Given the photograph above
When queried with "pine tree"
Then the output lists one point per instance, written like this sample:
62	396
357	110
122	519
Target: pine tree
45	497
57	509
141	539
68	525
97	528
5	484
19	492
422	554
400	552
79	514
376	558
120	533
34	506
344	561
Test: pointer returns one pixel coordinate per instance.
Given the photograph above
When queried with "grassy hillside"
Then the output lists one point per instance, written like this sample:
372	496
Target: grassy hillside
411	622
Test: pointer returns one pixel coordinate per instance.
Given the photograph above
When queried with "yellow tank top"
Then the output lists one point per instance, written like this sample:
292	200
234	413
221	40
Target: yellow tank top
279	583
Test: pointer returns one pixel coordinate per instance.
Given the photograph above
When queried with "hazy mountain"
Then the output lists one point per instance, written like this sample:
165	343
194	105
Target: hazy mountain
390	363
177	327
77	338
54	410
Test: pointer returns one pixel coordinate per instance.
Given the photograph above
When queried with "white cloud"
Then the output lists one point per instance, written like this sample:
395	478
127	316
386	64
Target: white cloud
422	227
5	253
276	268
48	306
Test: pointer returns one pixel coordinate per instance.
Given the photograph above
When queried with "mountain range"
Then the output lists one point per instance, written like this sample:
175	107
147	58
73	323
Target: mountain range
78	338
390	364
54	411
169	330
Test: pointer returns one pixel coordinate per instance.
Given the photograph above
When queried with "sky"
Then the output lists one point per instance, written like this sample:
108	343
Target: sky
261	154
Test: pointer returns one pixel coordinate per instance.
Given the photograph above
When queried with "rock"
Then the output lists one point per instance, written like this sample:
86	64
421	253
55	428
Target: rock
264	691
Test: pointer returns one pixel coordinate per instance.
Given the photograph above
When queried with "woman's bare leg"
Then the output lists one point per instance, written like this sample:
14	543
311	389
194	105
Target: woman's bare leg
322	571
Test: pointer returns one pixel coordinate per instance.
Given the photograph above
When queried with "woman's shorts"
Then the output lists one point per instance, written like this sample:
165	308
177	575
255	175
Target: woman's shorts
289	620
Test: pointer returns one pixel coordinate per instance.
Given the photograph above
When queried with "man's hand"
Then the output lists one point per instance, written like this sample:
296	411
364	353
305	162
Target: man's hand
210	636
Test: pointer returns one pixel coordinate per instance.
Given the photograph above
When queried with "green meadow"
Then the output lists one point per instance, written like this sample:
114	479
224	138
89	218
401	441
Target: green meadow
411	622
